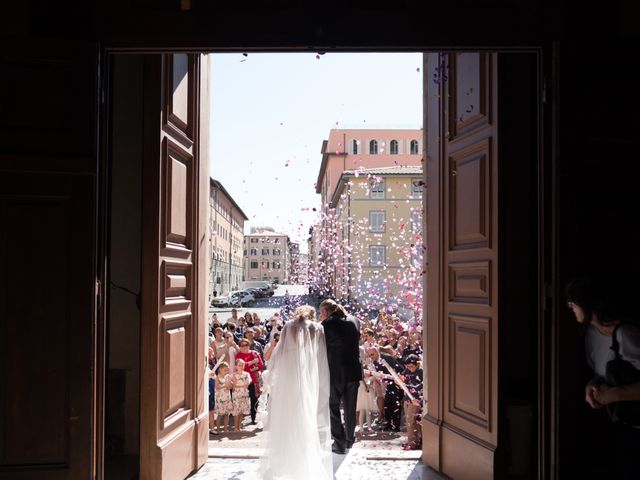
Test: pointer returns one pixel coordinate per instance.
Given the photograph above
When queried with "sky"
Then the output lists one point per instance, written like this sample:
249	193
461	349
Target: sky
271	112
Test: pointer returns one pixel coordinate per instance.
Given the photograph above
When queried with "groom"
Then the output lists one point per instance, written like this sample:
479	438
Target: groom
345	372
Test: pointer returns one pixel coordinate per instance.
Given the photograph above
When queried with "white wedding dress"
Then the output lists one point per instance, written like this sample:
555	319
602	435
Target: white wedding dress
297	433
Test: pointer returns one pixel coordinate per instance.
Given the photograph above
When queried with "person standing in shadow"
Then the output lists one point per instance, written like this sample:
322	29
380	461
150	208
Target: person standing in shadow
604	305
345	372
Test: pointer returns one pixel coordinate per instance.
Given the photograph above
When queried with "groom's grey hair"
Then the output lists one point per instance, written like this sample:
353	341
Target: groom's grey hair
333	306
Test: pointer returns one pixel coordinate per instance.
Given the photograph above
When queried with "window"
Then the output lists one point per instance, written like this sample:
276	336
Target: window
377	220
277	240
354	147
254	240
414	147
275	264
377	255
265	251
254	264
377	189
254	251
276	251
245	252
373	147
393	146
416	187
416	221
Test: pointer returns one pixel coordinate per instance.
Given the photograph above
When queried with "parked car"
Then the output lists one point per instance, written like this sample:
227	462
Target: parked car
256	292
226	301
261	284
267	290
244	297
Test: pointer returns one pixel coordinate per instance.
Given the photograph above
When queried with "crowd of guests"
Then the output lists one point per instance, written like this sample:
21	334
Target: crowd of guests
238	351
389	395
391	356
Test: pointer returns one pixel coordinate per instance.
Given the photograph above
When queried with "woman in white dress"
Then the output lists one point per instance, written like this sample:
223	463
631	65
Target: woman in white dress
366	403
297	439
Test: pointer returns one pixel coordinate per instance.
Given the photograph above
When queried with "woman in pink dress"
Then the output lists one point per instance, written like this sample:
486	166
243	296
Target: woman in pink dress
253	365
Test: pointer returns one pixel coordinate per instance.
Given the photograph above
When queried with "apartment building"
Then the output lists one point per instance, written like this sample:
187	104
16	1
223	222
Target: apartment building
267	255
370	184
226	225
378	232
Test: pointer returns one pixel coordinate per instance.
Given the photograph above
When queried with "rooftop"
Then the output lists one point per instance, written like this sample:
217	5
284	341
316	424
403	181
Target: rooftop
398	170
393	170
216	184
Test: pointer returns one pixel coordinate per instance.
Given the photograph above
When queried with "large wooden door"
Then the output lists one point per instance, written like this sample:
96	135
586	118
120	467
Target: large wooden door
461	423
48	104
174	420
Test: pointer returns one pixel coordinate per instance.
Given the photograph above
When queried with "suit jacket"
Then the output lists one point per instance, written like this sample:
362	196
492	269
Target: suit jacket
343	349
355	321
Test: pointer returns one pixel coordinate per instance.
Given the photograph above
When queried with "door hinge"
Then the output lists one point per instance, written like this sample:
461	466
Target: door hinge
101	80
548	295
546	91
98	294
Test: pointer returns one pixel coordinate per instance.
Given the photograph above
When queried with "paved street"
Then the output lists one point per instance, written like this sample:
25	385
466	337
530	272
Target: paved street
374	456
236	455
265	307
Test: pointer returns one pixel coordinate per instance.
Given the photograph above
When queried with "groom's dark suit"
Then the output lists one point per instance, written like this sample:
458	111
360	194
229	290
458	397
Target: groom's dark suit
345	371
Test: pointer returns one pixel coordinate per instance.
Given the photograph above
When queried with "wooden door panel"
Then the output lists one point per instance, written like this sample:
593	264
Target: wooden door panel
462	264
178	198
38	428
469	282
470	374
180	99
470	197
172	365
46	300
467	75
174	347
48	100
48	104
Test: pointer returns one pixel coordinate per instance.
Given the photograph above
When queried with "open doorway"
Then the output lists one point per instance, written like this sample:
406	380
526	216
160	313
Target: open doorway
517	260
321	163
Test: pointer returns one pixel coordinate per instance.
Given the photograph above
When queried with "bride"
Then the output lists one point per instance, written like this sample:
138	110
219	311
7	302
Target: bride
297	439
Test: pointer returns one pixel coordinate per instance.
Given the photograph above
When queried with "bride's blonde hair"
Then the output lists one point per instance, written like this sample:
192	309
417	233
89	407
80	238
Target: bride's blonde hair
305	312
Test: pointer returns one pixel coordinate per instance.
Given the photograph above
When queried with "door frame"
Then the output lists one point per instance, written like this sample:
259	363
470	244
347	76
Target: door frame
547	220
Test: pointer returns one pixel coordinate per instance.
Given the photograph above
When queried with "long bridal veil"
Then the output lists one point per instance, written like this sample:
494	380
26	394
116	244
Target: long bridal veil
297	438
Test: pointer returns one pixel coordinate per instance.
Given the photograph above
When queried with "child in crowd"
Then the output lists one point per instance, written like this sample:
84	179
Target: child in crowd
413	407
367	401
212	393
233	347
241	402
223	406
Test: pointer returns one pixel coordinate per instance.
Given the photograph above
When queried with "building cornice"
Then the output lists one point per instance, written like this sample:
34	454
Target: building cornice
344	178
216	184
